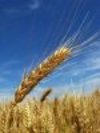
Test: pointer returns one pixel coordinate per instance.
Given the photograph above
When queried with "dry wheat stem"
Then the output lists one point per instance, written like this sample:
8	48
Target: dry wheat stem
45	68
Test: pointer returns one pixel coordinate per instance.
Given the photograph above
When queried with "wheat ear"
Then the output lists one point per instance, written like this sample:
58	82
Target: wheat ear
45	94
45	68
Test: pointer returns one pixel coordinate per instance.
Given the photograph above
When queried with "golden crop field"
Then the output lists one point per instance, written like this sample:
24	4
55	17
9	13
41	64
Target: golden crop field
71	114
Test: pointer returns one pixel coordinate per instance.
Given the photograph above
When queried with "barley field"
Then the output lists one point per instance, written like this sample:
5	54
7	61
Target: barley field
70	114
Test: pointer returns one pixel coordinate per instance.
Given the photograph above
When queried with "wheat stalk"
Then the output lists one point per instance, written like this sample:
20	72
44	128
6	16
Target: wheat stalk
45	68
45	94
27	118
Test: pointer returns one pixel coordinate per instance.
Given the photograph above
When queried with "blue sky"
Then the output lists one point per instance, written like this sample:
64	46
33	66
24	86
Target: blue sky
32	29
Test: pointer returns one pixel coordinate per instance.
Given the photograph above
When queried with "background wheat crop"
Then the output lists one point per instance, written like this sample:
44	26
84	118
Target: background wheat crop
70	114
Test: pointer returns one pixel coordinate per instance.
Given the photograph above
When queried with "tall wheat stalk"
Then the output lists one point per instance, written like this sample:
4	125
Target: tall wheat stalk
45	68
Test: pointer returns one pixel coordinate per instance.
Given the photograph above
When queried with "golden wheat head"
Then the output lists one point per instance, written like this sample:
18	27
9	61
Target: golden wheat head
45	68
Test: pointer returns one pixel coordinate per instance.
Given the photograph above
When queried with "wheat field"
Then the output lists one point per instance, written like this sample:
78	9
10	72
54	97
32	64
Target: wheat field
70	114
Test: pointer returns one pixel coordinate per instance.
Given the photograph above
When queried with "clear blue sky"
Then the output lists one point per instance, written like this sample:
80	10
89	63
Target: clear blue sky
31	29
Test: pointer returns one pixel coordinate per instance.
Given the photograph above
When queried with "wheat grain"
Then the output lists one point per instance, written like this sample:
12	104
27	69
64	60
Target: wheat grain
45	68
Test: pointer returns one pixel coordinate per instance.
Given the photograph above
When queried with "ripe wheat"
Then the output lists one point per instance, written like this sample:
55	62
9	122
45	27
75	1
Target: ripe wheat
45	68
